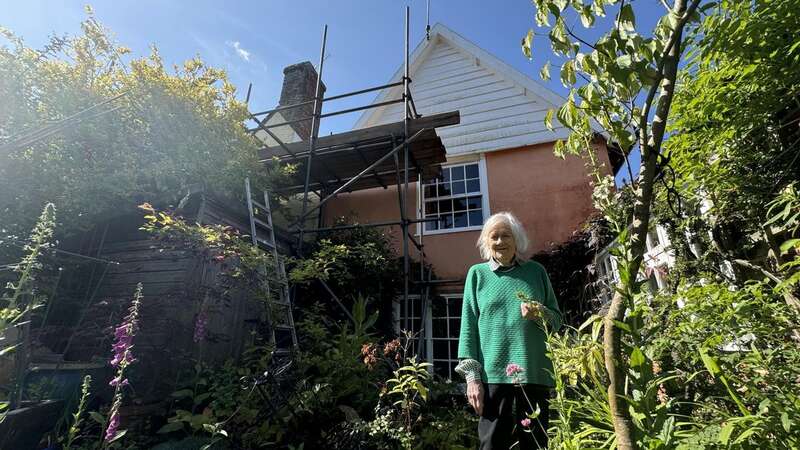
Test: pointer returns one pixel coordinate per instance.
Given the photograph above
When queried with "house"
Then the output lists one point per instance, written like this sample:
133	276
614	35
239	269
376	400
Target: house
499	157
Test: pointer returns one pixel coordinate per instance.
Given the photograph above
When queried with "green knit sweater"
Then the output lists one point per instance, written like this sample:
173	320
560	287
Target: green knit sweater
493	331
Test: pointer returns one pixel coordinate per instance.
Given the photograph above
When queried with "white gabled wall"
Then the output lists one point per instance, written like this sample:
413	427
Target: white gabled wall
500	108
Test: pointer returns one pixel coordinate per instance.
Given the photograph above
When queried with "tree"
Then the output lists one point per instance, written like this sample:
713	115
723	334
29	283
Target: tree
607	79
86	128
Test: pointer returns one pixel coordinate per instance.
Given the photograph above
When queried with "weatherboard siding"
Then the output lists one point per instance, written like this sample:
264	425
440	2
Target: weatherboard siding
496	112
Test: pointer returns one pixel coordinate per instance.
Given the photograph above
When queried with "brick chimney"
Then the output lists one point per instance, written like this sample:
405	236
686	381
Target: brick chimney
299	85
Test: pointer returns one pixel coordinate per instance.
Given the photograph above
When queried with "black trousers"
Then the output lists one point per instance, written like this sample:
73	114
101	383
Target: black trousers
504	407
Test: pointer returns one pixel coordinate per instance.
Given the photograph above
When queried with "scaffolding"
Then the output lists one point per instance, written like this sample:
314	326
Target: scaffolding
392	154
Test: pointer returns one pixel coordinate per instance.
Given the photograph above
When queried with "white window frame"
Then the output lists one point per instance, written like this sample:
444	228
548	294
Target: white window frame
398	320
484	193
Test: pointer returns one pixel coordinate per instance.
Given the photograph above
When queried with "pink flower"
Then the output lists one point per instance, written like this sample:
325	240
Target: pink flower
513	369
525	422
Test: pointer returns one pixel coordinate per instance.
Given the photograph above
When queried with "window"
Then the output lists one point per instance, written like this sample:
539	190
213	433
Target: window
440	327
445	329
414	319
456	198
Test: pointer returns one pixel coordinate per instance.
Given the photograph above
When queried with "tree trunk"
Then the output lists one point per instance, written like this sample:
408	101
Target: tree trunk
650	147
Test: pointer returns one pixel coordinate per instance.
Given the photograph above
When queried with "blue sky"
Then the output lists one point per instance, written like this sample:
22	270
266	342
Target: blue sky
254	41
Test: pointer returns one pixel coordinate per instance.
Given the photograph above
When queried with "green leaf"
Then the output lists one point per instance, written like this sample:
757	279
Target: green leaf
183	393
624	61
627	20
568	73
170	427
548	119
527	44
637	358
790	244
118	436
725	433
9	349
587	18
709	362
622	326
787	425
598	8
97	417
544	73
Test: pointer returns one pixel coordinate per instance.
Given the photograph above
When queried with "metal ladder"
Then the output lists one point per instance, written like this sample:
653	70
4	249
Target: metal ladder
279	312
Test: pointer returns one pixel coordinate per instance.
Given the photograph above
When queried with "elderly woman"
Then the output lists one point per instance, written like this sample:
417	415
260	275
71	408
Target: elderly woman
502	342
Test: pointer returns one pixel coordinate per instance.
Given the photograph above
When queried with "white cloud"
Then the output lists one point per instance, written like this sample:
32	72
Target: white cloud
244	54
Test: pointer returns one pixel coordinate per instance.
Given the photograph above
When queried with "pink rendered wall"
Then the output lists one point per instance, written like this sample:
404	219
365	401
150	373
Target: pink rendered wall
551	196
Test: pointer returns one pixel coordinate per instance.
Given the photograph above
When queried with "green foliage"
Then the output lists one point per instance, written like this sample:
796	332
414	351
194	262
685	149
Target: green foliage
214	404
734	134
77	418
21	297
716	372
354	263
148	135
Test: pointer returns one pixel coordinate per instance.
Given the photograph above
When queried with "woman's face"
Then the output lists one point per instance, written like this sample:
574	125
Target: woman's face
501	242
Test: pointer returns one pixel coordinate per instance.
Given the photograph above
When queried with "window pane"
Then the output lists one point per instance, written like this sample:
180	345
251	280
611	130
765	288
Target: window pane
458	187
459	204
439	308
432	225
460	220
441	368
475	218
455	328
430	191
474	202
473	185
440	348
453	349
453	365
472	171
446	174
439	328
430	208
444	189
454	307
445	206
446	221
458	173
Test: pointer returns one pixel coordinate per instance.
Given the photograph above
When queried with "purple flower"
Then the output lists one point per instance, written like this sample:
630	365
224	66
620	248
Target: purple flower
200	326
122	358
113	423
118	381
525	422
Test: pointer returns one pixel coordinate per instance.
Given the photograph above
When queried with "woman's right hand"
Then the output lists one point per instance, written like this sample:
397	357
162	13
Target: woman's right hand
475	396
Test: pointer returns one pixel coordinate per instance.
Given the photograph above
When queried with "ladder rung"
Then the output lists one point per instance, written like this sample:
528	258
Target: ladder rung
265	242
259	204
262	223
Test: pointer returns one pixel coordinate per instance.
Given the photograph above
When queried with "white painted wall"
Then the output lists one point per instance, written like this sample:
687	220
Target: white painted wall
500	108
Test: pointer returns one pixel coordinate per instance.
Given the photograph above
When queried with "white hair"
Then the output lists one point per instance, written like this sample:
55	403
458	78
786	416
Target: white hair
517	230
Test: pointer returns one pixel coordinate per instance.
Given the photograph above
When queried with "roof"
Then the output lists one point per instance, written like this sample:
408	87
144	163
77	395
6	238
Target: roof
500	107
